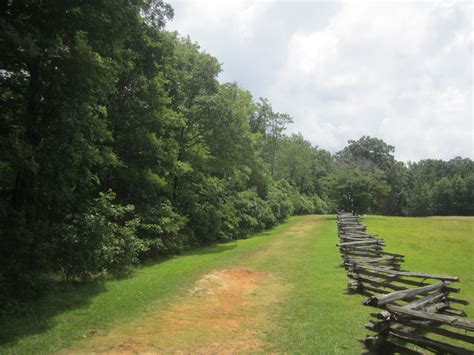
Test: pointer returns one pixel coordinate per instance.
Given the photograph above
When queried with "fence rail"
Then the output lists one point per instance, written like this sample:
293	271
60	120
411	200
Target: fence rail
415	312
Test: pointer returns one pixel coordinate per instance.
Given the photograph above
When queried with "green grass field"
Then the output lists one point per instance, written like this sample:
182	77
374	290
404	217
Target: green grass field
299	306
438	245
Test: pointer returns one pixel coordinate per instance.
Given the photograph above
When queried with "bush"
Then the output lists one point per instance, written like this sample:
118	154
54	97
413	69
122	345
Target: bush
207	204
279	200
302	204
160	229
254	213
320	206
102	239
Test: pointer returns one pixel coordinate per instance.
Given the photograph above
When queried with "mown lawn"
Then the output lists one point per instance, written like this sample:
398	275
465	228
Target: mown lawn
313	313
62	317
437	245
318	316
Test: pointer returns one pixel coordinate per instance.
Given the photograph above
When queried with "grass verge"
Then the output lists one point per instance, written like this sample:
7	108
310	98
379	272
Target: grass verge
60	318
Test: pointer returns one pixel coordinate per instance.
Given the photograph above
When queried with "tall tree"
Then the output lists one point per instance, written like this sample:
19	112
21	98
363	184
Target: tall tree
374	156
59	66
368	150
271	125
353	189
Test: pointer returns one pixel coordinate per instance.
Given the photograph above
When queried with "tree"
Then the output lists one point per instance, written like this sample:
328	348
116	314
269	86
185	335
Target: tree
192	81
371	151
352	189
442	186
58	71
271	126
118	144
372	154
295	162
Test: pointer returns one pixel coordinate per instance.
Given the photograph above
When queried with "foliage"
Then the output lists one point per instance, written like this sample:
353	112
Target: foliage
372	151
119	143
160	230
320	205
254	214
279	199
103	238
356	190
366	177
440	187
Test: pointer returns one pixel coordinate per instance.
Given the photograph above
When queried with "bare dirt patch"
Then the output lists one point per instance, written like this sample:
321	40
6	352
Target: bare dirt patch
227	283
225	312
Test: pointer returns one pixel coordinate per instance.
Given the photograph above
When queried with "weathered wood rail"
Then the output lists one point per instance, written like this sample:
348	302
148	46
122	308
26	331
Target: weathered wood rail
416	312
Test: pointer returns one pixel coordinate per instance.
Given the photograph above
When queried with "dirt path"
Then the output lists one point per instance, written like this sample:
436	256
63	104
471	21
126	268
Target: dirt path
226	311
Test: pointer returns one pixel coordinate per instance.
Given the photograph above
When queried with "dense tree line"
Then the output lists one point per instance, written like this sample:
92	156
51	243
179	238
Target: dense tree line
119	144
368	179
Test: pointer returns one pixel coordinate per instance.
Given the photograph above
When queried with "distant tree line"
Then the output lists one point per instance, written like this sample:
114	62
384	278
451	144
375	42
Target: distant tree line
366	178
119	144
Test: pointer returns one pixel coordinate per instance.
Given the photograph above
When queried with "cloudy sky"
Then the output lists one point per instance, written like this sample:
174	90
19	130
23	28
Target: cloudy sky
401	71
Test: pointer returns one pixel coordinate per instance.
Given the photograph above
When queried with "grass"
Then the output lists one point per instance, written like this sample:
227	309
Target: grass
313	313
317	316
301	253
61	318
436	245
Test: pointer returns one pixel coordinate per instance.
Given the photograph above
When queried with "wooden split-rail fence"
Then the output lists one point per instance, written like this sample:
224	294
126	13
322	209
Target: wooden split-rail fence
416	312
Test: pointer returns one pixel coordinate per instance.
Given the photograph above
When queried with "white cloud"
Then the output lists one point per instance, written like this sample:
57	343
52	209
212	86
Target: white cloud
237	17
398	71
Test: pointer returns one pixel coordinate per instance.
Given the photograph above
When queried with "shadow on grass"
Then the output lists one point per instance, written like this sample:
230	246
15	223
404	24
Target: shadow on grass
210	249
38	316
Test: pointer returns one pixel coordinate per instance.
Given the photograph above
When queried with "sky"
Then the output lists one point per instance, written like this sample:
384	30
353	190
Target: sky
400	71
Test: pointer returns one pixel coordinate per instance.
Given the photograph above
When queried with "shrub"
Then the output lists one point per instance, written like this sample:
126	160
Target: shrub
302	204
320	206
279	200
102	239
160	229
254	213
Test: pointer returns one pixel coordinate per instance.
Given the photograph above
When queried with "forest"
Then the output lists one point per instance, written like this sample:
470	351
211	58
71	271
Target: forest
120	145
